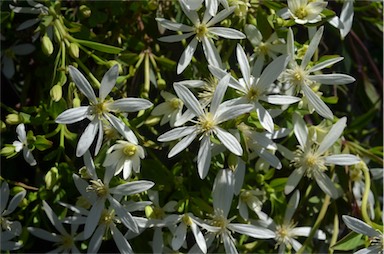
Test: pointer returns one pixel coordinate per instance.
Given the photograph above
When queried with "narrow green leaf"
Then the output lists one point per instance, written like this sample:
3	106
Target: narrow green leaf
99	46
348	242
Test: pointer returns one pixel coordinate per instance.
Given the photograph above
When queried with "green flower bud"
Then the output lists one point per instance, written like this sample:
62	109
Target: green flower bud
85	11
76	102
232	162
112	63
161	84
7	150
46	45
152	5
13	119
149	212
51	178
3	127
56	93
259	178
74	50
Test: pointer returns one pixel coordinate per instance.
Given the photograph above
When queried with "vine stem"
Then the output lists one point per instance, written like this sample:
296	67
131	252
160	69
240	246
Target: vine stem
319	219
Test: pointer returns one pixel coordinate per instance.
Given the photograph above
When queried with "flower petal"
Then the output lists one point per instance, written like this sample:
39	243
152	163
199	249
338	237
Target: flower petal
179	236
182	144
53	218
189	99
204	157
130	105
125	217
252	231
108	82
342	159
332	79
272	71
87	137
312	47
186	57
359	226
300	129
219	93
93	217
177	37
211	53
319	105
176	133
131	188
123	129
264	117
222	191
174	26
228	33
333	135
43	234
293	180
28	156
280	99
73	115
121	243
199	237
325	64
15	201
243	64
229	141
326	184
82	84
291	207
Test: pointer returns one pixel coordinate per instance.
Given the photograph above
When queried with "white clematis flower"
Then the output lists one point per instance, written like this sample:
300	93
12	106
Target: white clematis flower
211	5
100	109
170	109
124	156
207	124
311	159
202	31
300	76
304	11
22	144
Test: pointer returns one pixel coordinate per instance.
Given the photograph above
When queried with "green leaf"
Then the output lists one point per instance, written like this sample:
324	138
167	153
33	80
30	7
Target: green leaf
348	242
371	92
42	143
99	46
278	184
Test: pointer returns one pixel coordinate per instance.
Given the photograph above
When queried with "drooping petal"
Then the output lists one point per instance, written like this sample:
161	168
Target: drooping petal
108	81
219	93
73	115
21	134
326	184
333	135
174	26
293	180
243	64
93	217
229	141
82	84
291	207
346	18
189	99
204	157
229	245
264	117
300	129
4	194
342	159
121	242
210	52
53	218
199	237
179	236
182	144
125	217
13	203
228	33
87	137
222	191
97	239
186	57
99	141
28	156
319	105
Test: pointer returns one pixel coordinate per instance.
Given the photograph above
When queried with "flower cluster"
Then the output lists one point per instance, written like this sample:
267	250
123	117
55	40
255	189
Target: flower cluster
235	148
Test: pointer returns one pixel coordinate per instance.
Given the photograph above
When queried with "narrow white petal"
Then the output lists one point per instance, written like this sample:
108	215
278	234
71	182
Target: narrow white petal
73	115
89	164
212	6
130	105
293	180
332	79
281	99
93	218
125	217
264	117
219	93
319	105
108	81
239	176
204	157
43	234
131	188
21	134
176	133
179	236
28	156
346	17
326	184
121	243
229	141
300	129
192	4
252	231
191	14
189	99
100	136
219	74
53	218
221	16
225	113
359	226
182	144
177	37
270	158
222	191
228	33
82	83
199	237
272	71
258	66
312	47
253	35
4	194
211	52
87	137
325	64
342	159
186	57
290	45
243	64
295	244
97	239
229	245
81	186
291	207
14	202
174	26
333	135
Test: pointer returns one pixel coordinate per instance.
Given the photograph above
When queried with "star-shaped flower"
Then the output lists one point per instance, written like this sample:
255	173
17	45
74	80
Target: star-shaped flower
22	144
100	109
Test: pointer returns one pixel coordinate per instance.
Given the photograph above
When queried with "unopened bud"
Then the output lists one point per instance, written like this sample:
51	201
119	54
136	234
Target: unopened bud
85	11
46	45
112	63
152	5
161	84
74	50
56	93
7	150
13	119
76	102
51	178
3	126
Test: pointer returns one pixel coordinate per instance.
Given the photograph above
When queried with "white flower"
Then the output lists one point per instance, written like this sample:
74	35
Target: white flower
124	156
100	109
221	227
98	192
170	109
287	232
211	5
207	124
254	200
299	75
306	11
22	144
311	158
65	241
203	31
376	238
344	22
253	87
9	229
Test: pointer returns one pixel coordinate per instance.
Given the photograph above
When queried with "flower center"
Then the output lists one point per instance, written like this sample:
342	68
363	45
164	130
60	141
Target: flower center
206	123
263	48
284	233
187	220
129	150
107	217
176	103
99	108
253	94
5	224
98	187
301	12
221	222
67	241
310	161
201	31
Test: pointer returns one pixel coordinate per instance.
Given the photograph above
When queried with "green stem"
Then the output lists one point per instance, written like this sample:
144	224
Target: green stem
319	219
335	232
96	83
364	202
53	133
